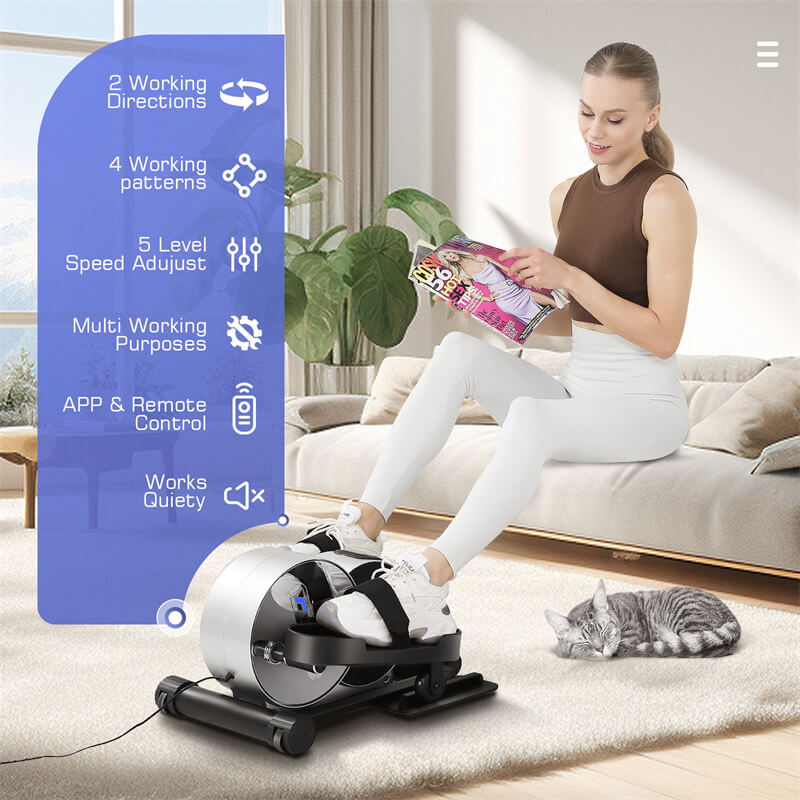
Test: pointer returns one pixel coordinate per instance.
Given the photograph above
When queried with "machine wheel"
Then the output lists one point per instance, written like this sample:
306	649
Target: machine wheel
296	740
427	691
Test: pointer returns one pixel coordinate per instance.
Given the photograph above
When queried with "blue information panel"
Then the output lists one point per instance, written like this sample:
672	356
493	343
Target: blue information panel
160	319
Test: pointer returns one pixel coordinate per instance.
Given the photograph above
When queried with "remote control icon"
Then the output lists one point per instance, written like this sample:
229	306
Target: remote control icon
244	410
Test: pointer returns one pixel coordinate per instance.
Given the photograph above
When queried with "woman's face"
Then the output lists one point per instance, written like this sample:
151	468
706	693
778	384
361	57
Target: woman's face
450	256
601	122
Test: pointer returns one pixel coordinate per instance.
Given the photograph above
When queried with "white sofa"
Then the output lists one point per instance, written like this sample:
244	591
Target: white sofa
698	502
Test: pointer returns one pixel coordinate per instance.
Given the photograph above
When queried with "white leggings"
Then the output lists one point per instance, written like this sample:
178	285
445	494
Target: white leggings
614	401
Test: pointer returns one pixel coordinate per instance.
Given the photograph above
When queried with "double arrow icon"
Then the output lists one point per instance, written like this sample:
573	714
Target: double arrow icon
244	100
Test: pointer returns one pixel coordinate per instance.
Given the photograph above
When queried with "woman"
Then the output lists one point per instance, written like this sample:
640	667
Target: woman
625	232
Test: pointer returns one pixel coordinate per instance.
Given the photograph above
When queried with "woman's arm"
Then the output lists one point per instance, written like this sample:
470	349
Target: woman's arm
670	222
559	322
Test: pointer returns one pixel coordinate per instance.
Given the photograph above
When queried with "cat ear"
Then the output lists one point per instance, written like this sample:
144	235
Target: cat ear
559	622
599	599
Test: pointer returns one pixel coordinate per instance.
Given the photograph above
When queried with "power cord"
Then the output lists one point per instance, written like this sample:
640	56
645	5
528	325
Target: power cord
226	679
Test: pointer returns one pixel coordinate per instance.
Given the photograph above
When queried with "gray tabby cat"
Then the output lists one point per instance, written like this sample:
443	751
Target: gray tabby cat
677	621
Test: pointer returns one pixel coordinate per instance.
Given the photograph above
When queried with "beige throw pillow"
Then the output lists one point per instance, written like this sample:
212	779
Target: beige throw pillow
784	454
397	376
763	411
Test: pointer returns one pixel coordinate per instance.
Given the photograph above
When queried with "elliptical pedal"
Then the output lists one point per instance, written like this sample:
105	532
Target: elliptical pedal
309	643
460	689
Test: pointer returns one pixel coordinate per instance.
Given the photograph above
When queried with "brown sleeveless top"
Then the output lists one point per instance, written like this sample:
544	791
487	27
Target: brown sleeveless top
600	232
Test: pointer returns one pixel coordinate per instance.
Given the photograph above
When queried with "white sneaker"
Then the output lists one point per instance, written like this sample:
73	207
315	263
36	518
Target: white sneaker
429	617
342	533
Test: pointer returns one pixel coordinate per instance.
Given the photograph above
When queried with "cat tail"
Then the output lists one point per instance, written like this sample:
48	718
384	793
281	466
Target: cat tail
719	641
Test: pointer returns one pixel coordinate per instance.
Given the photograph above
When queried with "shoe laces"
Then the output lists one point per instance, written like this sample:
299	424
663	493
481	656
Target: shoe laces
401	571
333	531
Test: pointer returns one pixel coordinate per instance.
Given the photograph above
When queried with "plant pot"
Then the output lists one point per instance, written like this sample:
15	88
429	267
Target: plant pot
336	379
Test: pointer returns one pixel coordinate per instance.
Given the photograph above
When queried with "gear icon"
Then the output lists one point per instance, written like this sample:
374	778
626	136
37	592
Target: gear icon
247	328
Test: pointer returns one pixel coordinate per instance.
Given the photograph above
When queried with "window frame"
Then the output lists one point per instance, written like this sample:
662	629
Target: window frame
60	45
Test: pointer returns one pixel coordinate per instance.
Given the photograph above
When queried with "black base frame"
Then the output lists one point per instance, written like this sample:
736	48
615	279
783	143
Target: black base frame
425	679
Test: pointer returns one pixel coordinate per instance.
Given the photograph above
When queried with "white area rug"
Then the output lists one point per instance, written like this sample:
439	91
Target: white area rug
66	686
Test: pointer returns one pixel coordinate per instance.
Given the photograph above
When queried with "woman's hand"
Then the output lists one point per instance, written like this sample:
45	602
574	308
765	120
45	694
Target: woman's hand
536	267
453	306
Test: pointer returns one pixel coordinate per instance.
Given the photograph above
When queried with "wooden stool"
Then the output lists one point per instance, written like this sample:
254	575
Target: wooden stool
18	444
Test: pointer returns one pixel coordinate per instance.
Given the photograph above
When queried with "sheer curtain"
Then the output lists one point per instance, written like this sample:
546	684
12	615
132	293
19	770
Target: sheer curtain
337	108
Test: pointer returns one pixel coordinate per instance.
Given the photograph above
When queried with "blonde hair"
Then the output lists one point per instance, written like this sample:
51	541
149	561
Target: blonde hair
629	61
460	273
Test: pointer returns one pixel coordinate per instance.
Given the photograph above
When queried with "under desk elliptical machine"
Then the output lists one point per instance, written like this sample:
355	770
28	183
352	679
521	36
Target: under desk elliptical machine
288	672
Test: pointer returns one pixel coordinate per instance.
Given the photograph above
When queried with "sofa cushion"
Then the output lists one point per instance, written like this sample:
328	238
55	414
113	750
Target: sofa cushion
784	454
716	368
788	362
307	414
764	410
705	397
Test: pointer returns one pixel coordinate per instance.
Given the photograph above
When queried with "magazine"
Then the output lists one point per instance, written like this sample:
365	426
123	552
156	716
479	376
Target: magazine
470	275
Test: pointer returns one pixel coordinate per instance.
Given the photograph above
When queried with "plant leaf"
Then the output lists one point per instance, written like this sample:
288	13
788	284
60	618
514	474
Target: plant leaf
324	237
313	336
432	216
293	152
294	245
294	299
385	299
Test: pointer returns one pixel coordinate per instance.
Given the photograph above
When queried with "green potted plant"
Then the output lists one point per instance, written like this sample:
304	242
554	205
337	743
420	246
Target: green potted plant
344	300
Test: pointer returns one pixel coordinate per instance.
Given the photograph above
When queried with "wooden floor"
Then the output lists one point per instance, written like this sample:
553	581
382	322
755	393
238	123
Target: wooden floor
753	766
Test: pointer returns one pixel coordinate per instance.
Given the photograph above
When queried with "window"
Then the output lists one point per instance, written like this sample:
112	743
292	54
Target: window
84	19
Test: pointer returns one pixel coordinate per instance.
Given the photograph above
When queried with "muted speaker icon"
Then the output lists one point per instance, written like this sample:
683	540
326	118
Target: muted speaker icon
243	496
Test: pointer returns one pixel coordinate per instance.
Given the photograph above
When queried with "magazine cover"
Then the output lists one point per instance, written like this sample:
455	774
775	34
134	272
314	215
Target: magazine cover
470	275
